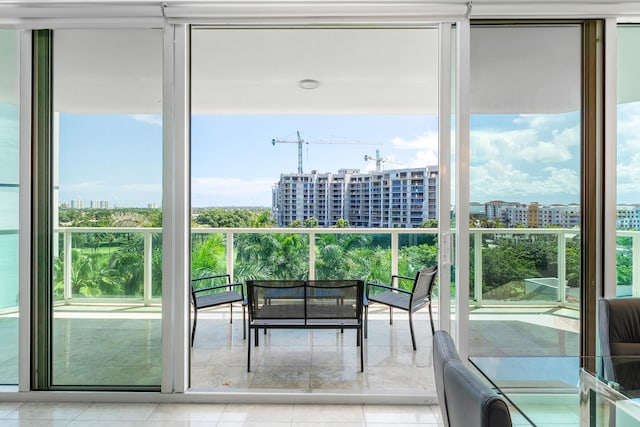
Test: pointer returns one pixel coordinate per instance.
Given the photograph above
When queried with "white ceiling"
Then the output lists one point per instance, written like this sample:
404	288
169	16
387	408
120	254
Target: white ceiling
364	71
359	71
108	71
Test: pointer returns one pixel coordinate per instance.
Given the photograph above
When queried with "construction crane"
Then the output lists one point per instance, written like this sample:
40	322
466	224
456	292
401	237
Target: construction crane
301	141
377	159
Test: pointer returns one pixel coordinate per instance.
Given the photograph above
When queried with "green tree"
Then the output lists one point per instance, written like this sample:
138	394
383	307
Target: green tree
208	256
429	223
342	223
262	219
311	222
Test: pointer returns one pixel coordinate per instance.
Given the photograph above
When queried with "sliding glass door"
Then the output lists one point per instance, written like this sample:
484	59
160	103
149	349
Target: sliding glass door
525	189
314	155
9	218
99	142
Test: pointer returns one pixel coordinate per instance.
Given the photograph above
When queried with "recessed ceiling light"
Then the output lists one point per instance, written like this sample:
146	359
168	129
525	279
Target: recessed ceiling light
308	84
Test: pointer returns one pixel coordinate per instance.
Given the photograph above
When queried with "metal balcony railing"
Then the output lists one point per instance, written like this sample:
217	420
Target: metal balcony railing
480	243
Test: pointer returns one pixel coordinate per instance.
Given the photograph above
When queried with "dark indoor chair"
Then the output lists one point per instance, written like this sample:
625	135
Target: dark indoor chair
410	300
619	329
465	399
214	295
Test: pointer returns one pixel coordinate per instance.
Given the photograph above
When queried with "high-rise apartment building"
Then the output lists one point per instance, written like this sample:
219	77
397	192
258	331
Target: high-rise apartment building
99	204
393	198
77	204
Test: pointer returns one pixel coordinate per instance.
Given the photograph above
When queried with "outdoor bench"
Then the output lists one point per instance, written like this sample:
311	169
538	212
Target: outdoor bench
305	304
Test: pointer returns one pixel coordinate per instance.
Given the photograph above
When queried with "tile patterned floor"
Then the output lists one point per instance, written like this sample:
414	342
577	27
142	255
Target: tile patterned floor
220	415
315	360
286	361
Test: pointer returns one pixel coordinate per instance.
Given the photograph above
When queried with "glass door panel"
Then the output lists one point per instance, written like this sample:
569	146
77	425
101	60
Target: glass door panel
107	215
628	158
9	214
297	134
525	190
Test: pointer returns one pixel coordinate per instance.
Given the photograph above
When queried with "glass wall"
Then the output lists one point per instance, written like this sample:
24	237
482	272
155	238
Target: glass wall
307	132
107	208
9	182
525	189
628	162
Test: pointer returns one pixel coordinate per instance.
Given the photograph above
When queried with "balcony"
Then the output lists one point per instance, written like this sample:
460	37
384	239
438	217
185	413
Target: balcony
505	308
310	261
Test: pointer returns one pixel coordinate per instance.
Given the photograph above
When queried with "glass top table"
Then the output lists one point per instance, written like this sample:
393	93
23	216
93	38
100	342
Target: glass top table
550	391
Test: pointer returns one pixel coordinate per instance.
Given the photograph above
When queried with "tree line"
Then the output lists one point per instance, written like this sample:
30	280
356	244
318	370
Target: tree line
112	264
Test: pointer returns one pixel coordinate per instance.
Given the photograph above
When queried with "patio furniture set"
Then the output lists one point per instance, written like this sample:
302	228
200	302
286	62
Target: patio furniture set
312	304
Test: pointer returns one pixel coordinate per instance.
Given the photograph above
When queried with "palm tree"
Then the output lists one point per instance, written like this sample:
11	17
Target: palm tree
208	257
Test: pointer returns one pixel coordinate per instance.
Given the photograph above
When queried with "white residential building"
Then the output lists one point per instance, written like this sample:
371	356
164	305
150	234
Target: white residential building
393	198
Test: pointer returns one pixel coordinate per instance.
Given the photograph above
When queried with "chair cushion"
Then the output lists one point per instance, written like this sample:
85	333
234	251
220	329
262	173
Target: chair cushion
394	299
211	300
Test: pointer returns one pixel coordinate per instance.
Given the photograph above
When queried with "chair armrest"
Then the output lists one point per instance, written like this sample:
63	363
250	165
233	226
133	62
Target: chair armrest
403	277
390	288
214	276
225	285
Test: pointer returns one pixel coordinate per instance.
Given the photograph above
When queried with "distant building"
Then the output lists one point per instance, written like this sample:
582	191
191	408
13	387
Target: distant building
99	204
565	216
77	204
393	198
628	217
534	215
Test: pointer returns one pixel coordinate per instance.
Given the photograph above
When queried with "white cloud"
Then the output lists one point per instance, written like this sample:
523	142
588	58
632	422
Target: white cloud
426	151
151	119
628	156
501	180
523	144
628	179
538	121
426	141
628	125
545	152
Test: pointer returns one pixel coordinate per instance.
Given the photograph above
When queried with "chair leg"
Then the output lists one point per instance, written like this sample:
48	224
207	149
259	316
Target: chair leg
366	321
390	315
249	352
193	326
413	338
231	313
244	324
433	330
256	332
361	351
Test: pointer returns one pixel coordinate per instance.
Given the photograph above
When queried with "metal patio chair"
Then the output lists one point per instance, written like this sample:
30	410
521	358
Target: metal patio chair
215	295
409	300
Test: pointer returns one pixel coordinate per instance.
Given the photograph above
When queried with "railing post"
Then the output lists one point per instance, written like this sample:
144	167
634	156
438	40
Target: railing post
312	255
477	264
635	265
147	284
229	256
562	267
394	252
67	266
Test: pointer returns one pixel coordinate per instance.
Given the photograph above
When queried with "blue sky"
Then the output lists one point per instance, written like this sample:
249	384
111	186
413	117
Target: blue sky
521	158
235	163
